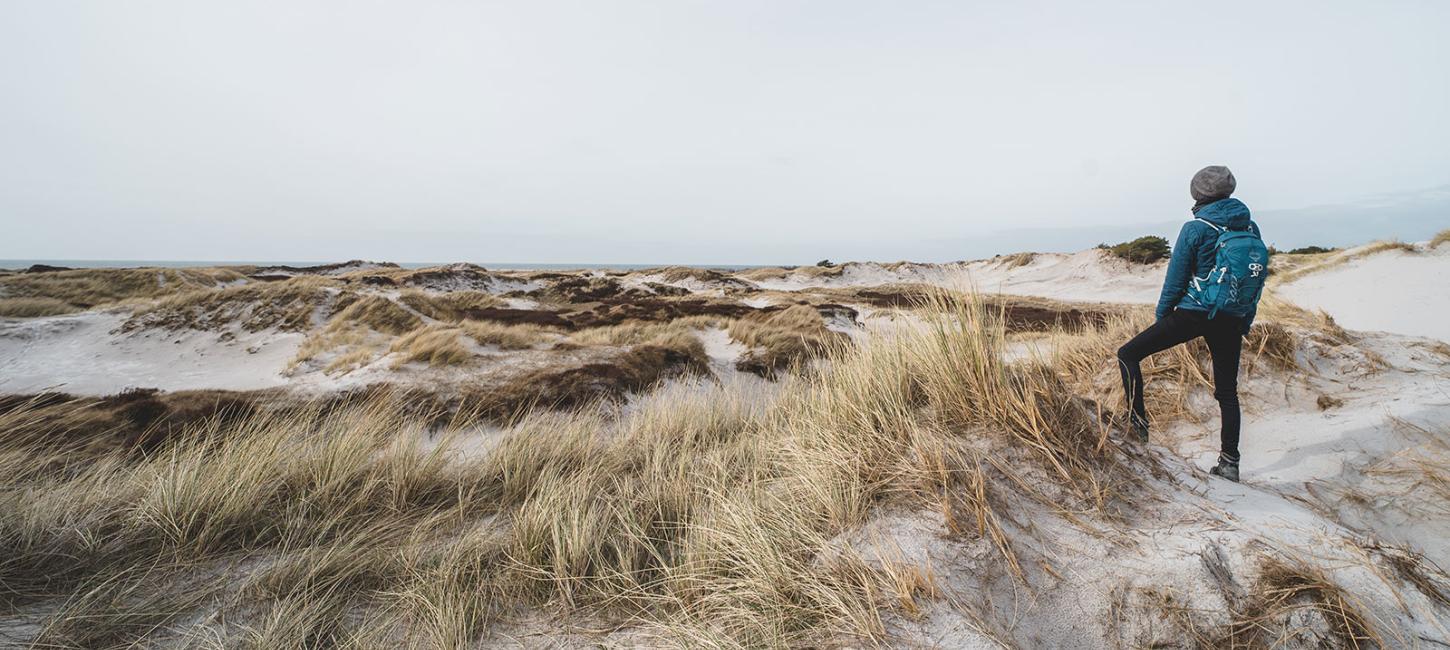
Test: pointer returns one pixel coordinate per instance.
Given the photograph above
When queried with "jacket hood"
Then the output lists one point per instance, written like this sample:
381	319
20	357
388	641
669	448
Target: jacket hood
1227	213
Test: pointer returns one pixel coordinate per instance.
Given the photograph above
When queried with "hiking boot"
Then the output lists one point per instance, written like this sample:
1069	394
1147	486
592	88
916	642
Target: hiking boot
1227	469
1138	430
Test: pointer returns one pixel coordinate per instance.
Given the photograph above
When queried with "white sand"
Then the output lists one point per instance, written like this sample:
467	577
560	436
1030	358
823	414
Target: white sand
80	354
1394	291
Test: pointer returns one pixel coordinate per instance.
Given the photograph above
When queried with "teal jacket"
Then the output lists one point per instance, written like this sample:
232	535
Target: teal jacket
1193	254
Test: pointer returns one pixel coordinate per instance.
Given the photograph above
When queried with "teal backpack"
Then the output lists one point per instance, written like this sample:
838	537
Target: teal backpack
1240	267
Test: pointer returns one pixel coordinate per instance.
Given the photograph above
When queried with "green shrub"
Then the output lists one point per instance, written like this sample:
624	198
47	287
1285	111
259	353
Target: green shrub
1310	250
1143	250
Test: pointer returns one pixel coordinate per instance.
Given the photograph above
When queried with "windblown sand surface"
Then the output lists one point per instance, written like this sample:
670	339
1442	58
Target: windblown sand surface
961	514
1393	291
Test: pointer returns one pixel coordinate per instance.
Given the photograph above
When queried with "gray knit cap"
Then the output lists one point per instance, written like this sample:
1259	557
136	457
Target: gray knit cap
1212	183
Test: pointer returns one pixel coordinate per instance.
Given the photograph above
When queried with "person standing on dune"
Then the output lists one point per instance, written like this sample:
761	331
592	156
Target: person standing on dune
1212	289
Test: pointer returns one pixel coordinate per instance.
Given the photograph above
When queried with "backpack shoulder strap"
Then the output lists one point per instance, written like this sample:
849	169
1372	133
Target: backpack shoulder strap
1219	229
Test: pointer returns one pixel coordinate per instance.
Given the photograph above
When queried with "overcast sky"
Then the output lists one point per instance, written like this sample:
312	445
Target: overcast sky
734	131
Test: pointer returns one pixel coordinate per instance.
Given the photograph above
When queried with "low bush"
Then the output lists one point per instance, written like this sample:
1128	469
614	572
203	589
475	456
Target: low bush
1143	250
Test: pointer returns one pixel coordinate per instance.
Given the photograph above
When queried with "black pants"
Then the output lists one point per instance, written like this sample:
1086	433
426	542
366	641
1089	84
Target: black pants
1222	333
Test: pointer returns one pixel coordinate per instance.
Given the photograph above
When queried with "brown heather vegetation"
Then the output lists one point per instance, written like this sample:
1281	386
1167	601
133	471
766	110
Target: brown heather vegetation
577	386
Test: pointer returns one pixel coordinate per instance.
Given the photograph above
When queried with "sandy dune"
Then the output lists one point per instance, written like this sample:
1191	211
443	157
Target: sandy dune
1340	454
1391	291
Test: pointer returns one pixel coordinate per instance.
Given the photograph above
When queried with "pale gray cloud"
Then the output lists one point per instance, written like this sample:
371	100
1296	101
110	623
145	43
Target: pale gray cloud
672	131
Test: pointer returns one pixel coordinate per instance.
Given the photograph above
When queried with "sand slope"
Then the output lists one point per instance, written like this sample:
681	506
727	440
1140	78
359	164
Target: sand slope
86	354
1393	291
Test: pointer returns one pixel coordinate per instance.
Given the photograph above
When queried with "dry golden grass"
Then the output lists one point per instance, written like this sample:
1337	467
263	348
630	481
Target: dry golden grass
1285	588
782	339
1171	378
1414	568
1085	357
1440	238
451	306
701	513
708	276
286	304
637	332
360	326
507	336
434	344
1017	259
88	288
35	307
1276	310
677	336
360	347
375	312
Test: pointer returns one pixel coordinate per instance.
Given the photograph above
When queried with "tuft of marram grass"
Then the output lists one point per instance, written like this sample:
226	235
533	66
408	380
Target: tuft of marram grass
636	332
34	307
376	312
286	304
435	344
782	339
359	326
507	336
449	306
